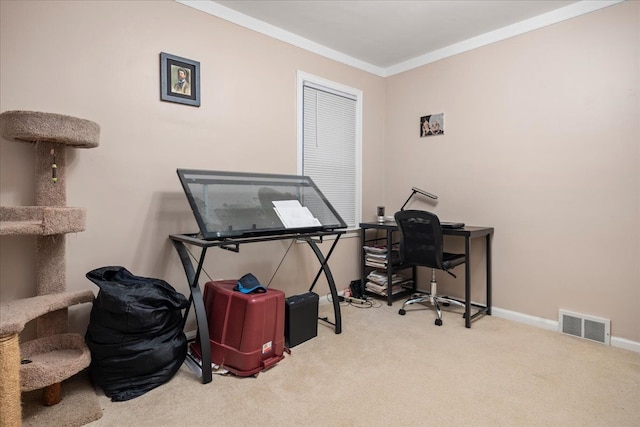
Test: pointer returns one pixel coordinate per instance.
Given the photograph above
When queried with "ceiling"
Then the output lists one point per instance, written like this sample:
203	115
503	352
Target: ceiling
386	37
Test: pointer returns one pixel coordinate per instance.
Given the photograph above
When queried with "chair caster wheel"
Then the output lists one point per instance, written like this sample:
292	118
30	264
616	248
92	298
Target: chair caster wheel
438	322
402	312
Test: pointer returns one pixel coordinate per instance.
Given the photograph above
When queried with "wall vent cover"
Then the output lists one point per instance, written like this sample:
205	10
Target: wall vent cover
585	326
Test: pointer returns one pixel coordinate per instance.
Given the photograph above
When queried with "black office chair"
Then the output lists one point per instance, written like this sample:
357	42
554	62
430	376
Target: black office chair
421	245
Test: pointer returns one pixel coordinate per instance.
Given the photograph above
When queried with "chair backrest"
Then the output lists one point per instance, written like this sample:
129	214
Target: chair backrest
420	238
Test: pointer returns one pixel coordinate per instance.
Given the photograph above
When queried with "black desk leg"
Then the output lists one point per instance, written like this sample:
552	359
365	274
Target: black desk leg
467	281
329	276
489	274
198	306
362	262
389	268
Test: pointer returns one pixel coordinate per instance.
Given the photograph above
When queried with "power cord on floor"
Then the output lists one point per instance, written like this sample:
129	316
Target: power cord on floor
356	302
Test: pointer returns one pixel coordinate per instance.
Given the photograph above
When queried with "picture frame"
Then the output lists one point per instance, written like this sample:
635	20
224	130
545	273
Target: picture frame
179	80
432	125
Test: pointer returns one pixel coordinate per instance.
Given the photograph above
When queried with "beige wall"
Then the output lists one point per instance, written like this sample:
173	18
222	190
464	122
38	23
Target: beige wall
100	61
542	142
539	127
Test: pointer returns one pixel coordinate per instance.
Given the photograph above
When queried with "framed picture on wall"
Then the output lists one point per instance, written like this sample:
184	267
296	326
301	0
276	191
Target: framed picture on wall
431	125
179	80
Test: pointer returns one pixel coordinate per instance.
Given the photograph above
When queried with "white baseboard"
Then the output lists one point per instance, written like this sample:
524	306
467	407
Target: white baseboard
626	344
552	325
538	322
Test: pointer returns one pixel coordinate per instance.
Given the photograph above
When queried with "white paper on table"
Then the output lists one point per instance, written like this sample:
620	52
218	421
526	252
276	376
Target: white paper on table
294	215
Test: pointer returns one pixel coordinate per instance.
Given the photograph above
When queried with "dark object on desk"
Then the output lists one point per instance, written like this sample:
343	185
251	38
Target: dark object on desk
421	244
246	331
456	225
135	333
300	318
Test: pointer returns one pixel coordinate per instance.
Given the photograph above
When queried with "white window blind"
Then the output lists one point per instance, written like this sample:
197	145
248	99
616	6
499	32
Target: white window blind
330	147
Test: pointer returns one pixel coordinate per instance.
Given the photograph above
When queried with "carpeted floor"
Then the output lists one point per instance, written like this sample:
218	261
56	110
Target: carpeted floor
78	407
386	369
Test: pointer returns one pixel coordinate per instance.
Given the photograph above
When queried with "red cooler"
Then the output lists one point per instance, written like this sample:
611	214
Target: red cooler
246	330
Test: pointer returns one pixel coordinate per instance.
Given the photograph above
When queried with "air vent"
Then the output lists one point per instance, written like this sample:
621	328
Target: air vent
585	326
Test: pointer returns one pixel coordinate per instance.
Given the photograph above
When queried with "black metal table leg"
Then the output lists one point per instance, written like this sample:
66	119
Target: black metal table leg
389	268
467	281
332	285
489	290
363	279
198	306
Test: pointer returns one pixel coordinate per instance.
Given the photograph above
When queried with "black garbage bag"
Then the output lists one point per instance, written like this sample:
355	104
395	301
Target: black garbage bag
135	333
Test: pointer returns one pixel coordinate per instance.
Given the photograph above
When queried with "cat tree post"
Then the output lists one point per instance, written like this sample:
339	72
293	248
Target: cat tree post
10	384
50	250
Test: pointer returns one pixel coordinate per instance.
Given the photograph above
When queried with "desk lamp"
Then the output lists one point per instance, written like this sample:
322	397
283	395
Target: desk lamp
419	191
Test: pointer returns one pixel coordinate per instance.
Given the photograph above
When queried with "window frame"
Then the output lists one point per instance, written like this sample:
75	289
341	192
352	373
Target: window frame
337	88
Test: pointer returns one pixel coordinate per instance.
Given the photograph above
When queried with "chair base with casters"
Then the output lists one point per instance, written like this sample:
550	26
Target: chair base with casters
432	298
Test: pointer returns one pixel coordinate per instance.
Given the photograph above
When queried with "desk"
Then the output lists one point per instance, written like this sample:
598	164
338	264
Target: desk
233	245
468	232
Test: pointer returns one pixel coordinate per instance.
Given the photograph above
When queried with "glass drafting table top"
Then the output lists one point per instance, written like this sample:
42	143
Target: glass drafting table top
236	204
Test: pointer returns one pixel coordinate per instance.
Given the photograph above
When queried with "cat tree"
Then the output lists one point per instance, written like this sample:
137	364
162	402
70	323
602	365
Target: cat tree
55	355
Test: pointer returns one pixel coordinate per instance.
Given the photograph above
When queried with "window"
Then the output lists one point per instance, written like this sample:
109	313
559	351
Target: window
330	141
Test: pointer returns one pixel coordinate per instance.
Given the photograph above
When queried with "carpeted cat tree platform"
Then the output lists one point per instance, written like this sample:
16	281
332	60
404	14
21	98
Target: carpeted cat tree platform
55	356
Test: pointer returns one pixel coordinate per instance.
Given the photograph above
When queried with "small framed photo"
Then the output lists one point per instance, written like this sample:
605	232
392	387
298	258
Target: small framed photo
179	80
431	125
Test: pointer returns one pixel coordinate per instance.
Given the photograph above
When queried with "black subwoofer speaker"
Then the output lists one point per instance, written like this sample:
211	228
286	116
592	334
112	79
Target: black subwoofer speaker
301	318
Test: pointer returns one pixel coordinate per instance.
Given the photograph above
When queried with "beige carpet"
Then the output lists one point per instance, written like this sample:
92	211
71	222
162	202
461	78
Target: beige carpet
386	369
78	407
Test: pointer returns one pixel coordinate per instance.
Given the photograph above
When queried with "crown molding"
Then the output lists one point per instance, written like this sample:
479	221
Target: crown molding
223	12
540	21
